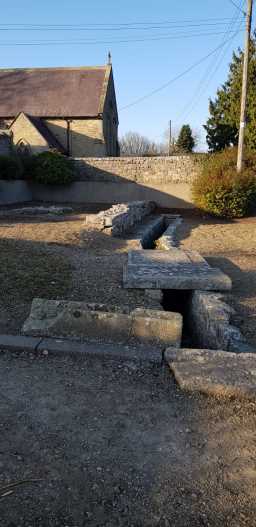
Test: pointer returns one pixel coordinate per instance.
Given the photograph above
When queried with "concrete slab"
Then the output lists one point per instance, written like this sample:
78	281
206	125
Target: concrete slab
173	269
217	373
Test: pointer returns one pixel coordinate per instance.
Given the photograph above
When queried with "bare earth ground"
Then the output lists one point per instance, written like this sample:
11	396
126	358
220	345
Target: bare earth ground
47	258
231	246
40	257
117	444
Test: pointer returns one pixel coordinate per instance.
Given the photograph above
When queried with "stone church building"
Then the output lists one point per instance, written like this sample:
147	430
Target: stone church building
72	110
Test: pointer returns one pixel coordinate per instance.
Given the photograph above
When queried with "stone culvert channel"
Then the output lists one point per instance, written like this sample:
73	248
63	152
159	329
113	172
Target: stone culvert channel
206	315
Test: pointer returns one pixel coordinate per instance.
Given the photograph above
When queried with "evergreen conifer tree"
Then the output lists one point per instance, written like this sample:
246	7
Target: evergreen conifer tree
222	126
185	141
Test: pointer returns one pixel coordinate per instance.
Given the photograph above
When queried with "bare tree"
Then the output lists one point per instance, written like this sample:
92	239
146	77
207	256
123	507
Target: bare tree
134	144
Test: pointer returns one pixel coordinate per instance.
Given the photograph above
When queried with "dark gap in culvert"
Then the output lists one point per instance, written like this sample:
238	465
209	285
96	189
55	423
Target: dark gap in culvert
179	301
149	240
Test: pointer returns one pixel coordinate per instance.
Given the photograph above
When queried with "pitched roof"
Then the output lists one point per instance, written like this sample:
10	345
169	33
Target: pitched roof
54	92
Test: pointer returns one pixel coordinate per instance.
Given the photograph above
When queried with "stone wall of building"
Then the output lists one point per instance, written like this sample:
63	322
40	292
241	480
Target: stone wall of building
23	131
86	136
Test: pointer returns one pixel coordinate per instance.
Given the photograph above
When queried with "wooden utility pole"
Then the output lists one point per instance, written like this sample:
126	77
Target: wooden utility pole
244	86
170	138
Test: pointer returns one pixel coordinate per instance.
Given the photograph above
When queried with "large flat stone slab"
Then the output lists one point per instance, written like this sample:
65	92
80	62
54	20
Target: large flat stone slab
173	269
217	373
59	318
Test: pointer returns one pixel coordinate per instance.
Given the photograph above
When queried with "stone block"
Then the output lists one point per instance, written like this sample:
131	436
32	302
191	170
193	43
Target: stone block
173	269
52	318
76	319
210	322
217	373
157	326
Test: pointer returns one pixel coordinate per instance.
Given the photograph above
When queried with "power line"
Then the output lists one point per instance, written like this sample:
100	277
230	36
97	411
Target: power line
174	79
237	6
122	41
210	72
113	25
120	28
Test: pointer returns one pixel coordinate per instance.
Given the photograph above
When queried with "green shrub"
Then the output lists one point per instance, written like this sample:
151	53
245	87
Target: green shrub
10	168
220	190
49	168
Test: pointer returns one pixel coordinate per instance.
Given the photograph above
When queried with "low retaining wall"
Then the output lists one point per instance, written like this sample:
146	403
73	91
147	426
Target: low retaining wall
164	180
14	192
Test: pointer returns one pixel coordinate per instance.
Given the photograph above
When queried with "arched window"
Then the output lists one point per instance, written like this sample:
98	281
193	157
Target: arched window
23	148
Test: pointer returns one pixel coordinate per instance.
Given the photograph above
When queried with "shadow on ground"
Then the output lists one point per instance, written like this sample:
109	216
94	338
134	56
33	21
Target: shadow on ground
116	444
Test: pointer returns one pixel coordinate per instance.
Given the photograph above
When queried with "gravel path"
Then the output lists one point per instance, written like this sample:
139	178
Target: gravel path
231	246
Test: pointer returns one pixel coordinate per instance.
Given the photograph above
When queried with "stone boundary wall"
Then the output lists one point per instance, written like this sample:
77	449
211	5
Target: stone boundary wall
171	169
110	180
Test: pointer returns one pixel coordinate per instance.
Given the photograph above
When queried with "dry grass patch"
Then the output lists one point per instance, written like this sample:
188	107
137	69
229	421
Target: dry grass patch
29	270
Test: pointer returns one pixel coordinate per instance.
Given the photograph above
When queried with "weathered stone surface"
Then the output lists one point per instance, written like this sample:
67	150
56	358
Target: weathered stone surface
152	326
218	373
156	294
77	319
40	210
140	170
210	323
52	318
173	269
121	218
167	240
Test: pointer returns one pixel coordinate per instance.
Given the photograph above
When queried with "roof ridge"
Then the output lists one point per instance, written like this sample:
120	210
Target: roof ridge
57	68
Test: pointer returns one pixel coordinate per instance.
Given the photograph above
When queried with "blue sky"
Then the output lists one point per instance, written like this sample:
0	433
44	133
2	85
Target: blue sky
139	67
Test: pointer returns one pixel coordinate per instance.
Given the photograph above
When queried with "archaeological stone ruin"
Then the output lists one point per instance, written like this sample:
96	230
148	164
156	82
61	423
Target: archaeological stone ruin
184	302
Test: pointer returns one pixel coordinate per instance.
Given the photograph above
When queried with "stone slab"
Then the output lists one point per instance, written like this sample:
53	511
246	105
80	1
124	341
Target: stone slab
64	347
58	318
19	343
173	269
217	373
